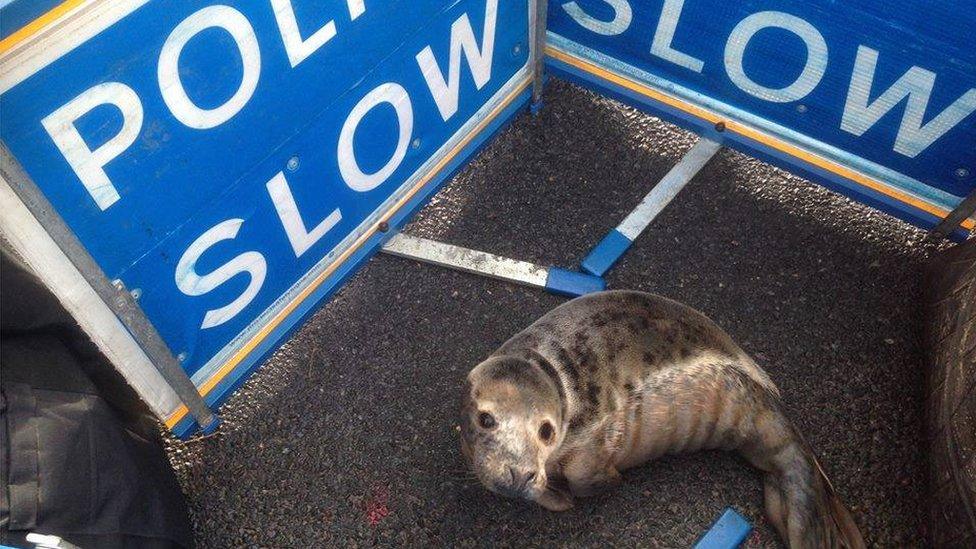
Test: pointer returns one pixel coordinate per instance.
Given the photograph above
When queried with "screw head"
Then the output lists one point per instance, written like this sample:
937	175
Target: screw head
181	357
962	173
801	109
292	164
720	126
415	143
136	293
517	49
383	226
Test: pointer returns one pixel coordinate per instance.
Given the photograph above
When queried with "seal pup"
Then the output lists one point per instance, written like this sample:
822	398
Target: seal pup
614	379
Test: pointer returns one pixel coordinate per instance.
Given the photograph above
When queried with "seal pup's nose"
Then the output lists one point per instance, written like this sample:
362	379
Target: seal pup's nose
521	481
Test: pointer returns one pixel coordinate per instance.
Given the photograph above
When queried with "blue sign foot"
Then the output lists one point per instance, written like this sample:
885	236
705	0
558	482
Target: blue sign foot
728	532
571	283
606	253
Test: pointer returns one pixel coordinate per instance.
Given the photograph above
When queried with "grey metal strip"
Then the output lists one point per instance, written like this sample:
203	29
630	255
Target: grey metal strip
670	185
960	213
538	49
467	260
118	299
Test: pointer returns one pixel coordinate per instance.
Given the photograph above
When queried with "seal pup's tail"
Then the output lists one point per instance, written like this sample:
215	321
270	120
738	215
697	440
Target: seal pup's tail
842	524
748	416
803	506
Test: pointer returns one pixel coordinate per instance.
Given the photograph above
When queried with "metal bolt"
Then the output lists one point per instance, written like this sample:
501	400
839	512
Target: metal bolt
416	143
517	49
118	284
720	126
136	293
181	357
292	164
384	226
962	173
801	109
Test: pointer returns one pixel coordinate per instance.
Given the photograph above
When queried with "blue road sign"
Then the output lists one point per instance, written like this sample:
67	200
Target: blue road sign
231	163
871	98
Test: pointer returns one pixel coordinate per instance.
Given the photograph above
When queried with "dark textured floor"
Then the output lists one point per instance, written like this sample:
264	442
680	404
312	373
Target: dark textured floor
348	434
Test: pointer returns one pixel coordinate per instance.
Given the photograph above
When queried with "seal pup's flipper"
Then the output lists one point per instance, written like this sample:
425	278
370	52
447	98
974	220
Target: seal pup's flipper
841	523
802	506
555	499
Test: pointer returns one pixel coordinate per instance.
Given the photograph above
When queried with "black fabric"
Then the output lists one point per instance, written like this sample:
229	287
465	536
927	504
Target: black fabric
72	468
25	304
72	463
27	307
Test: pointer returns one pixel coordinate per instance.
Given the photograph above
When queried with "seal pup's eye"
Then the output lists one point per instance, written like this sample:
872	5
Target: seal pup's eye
546	432
486	420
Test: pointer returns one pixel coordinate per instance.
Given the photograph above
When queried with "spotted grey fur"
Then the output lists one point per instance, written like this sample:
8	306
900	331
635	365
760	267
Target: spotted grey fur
623	378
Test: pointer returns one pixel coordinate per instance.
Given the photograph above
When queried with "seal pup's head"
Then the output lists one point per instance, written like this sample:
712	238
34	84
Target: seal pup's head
510	425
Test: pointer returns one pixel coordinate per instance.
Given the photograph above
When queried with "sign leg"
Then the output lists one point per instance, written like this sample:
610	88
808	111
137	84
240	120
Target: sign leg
552	279
615	244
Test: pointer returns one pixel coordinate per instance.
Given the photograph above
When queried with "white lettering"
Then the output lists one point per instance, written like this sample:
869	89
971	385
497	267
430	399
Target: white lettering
916	84
621	18
171	86
395	95
297	48
299	236
813	67
192	284
462	40
89	165
356	8
664	36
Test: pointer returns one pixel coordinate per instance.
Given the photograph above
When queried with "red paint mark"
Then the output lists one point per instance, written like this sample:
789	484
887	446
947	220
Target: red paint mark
376	508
